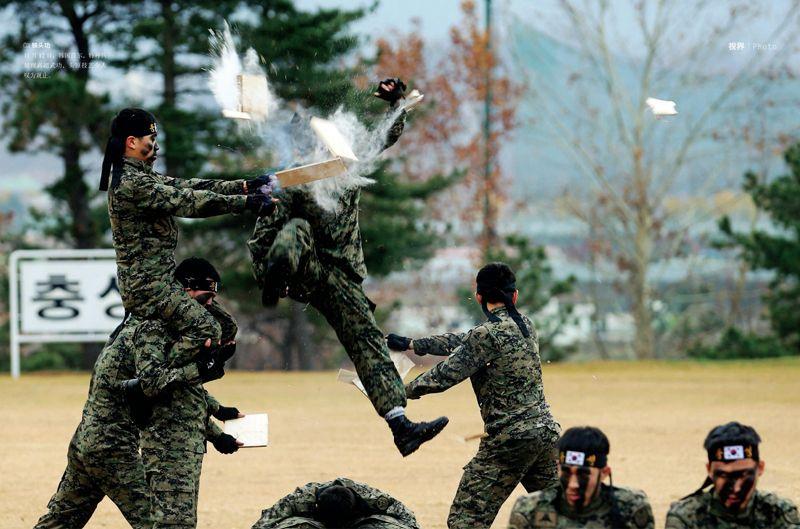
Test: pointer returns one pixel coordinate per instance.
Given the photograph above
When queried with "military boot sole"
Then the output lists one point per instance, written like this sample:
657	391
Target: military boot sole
423	435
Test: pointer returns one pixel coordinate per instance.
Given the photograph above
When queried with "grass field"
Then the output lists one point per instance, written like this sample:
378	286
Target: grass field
656	415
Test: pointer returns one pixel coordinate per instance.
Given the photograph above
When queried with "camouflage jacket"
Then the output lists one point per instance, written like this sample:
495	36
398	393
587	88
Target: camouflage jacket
547	509
142	210
504	368
302	503
704	510
106	424
181	416
337	235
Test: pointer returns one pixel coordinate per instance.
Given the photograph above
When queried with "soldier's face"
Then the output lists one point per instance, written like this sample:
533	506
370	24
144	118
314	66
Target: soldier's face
203	297
581	484
735	482
144	148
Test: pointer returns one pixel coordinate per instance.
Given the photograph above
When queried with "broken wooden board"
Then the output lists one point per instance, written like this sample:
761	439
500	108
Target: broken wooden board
308	173
333	139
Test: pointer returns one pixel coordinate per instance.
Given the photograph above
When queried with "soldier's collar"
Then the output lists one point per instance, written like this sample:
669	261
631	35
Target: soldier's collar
135	162
499	310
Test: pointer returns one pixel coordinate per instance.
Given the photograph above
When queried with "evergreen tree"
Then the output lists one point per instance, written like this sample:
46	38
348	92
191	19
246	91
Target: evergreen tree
777	250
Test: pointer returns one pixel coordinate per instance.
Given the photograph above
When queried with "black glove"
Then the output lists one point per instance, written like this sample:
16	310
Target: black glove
225	352
225	444
266	179
139	405
209	367
261	205
395	90
395	342
225	413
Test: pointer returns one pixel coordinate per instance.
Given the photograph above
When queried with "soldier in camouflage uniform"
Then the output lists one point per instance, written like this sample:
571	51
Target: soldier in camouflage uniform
315	256
142	206
501	358
103	455
337	504
173	442
733	502
582	499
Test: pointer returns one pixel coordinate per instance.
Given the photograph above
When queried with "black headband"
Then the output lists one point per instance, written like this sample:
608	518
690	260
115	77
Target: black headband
506	292
129	122
728	451
208	285
582	459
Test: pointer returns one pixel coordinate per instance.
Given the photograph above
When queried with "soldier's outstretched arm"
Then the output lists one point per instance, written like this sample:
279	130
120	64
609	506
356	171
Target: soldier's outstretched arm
223	187
438	345
147	193
465	360
301	502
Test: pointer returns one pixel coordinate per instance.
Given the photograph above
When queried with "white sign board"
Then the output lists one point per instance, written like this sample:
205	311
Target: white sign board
62	296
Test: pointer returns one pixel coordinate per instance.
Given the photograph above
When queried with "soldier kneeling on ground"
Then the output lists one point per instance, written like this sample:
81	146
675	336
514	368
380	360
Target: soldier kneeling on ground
733	467
337	504
582	499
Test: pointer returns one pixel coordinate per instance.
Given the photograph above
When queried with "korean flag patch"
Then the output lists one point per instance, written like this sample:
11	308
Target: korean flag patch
575	458
732	453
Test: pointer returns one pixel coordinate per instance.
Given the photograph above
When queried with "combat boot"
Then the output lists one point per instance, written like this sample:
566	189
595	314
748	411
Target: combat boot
408	436
276	280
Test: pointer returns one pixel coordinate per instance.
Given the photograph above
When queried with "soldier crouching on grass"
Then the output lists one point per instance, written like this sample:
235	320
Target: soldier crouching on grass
501	358
582	499
341	503
734	466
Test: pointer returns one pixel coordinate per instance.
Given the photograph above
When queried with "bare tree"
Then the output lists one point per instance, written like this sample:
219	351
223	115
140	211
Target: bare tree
641	170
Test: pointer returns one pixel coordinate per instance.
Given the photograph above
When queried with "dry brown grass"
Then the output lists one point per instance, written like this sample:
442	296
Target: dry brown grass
656	415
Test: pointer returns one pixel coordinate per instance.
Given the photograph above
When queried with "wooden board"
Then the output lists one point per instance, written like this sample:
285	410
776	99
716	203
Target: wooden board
311	172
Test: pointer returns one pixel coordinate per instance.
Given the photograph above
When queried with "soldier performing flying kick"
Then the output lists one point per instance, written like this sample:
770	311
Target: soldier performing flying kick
142	205
315	256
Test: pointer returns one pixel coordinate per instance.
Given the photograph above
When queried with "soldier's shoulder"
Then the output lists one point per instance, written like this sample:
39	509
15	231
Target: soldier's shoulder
779	505
530	507
687	505
481	332
630	496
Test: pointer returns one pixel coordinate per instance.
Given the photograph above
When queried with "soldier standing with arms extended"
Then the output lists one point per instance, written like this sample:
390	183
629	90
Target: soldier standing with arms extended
733	502
337	504
315	256
501	358
582	499
142	206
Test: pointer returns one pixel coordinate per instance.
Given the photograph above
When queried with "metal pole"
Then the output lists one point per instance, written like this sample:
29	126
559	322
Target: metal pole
14	306
487	131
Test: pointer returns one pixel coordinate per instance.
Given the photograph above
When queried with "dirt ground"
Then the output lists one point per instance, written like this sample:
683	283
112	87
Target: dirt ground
656	415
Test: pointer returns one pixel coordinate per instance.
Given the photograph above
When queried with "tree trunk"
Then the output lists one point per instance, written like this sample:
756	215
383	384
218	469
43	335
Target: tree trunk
169	101
644	341
294	352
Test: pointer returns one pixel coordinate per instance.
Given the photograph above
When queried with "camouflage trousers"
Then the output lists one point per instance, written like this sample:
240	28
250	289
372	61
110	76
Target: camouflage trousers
88	479
495	471
174	481
342	302
300	522
183	315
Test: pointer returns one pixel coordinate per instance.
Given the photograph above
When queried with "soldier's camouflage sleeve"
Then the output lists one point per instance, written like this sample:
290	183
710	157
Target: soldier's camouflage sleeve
223	187
265	231
226	321
213	430
474	353
522	512
151	345
301	502
147	192
213	404
395	131
383	503
439	345
635	508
